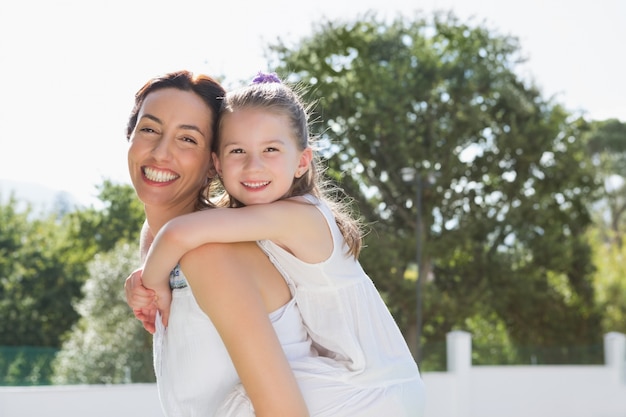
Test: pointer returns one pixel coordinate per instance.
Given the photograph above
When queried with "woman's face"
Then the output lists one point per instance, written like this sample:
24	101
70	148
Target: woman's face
169	149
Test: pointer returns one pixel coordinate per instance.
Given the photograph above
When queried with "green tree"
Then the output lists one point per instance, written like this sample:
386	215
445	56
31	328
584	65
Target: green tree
99	229
97	232
43	262
507	178
606	141
107	344
43	265
37	285
609	282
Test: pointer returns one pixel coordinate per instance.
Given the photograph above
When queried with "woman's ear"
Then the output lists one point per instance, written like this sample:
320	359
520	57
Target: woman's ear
305	162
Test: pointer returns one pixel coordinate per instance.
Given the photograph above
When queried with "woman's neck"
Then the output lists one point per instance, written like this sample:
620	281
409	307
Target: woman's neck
157	216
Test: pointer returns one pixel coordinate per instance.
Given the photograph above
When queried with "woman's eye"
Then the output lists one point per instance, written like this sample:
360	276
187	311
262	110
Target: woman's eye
189	139
147	130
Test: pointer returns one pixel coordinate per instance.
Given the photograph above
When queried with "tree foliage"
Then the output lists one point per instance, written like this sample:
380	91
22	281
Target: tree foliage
610	282
100	229
507	178
43	262
606	141
43	265
107	344
37	285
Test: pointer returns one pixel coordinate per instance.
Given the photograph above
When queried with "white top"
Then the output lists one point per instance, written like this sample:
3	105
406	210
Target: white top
193	369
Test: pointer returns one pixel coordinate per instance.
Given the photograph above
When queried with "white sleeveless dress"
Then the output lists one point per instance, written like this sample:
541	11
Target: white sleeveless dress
365	370
372	372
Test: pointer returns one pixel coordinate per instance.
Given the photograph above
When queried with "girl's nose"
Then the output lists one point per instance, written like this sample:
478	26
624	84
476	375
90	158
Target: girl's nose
254	163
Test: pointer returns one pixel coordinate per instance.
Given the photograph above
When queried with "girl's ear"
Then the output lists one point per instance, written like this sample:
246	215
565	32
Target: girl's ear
216	166
305	162
212	171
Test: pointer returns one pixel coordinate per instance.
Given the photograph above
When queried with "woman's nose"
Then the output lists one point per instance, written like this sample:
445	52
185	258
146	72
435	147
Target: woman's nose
163	148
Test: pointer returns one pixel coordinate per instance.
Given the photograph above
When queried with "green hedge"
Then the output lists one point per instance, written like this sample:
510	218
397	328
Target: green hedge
25	365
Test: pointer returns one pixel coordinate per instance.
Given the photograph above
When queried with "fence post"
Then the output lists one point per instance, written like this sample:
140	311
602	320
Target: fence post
459	357
615	354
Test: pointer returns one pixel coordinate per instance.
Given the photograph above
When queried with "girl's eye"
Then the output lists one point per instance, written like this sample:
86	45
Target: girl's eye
270	149
236	150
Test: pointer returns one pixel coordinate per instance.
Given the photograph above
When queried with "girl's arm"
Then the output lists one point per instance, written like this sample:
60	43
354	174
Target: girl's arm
293	224
237	309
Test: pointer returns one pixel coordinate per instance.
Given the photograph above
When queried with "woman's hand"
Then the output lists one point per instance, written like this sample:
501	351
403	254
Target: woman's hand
141	300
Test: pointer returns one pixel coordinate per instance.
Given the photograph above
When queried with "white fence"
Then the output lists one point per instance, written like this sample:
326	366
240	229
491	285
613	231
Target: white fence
537	391
463	391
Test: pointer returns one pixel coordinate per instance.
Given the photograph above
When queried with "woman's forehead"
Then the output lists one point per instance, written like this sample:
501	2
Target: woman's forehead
177	103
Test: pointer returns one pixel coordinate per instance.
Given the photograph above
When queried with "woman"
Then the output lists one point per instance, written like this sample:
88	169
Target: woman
253	318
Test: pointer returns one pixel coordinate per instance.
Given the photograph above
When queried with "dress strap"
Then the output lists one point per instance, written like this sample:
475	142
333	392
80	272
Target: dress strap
177	278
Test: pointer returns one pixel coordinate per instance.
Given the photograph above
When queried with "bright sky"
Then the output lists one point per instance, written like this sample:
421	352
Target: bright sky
69	68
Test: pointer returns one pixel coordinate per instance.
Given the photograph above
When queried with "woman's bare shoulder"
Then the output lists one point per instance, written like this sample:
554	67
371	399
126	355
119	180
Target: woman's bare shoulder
237	261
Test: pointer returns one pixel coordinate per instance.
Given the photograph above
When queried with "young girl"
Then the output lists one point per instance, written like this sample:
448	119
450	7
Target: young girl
263	157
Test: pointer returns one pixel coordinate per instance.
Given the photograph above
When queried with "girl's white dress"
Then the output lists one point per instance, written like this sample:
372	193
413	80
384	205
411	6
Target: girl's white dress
346	351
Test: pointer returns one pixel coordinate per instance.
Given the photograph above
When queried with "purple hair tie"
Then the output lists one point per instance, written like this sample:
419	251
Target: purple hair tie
263	77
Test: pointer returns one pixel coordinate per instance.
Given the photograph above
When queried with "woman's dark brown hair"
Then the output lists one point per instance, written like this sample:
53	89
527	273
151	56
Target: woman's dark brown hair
207	88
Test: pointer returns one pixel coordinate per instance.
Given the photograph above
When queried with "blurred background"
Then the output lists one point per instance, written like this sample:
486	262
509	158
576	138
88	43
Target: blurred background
483	143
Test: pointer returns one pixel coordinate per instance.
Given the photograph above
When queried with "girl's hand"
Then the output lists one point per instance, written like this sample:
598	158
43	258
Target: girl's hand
163	303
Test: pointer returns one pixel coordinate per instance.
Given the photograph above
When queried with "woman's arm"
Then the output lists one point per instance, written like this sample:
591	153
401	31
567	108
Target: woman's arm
139	298
145	241
238	307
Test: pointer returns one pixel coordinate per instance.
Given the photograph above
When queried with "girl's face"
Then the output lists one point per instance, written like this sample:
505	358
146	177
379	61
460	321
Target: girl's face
169	149
258	157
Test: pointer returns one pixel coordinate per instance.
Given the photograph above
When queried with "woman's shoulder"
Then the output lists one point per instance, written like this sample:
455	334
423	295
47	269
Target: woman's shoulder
305	198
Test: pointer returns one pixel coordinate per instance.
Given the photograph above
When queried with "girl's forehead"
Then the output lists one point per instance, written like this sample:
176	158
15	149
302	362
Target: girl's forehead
256	112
